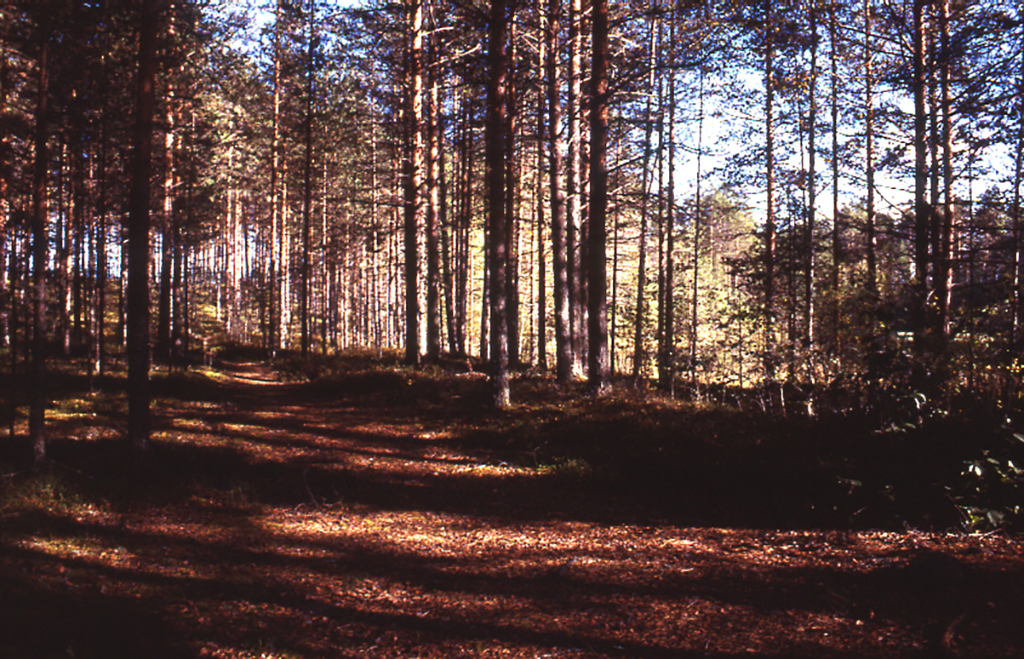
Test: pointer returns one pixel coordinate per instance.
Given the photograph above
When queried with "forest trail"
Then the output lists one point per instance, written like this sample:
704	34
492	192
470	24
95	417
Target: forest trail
303	519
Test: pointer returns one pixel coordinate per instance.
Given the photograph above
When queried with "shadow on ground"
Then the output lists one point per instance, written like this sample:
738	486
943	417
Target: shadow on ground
367	516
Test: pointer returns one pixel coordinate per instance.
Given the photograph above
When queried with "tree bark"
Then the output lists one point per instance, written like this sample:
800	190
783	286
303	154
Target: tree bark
433	228
944	267
512	182
559	241
138	232
6	287
541	202
40	254
274	299
769	223
167	222
869	154
697	220
307	184
1017	324
101	236
597	285
639	353
836	233
495	155
921	205
812	208
414	182
667	350
574	206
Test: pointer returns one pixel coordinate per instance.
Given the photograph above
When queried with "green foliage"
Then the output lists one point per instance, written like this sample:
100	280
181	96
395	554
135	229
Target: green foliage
990	491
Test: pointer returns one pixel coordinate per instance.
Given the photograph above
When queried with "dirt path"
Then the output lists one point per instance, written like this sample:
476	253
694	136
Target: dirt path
282	522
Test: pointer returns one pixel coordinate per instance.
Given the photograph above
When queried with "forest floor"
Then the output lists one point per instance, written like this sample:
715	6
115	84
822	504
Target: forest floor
389	513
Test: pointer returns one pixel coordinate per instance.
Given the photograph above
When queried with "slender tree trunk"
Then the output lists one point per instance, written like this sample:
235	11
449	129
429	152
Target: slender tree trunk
446	236
13	325
921	206
433	228
167	221
101	236
465	213
307	184
40	254
495	155
769	224
869	153
62	251
284	247
79	237
574	214
327	259
1017	327
512	182
559	239
138	233
944	273
662	232
414	182
639	353
6	287
542	60
274	300
666	372
597	286
812	191
836	233
614	185
697	219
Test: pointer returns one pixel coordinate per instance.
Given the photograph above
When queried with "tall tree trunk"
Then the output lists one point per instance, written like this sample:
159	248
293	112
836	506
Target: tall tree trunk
597	286
541	201
307	184
284	248
574	213
274	300
6	287
12	328
559	239
414	182
167	221
327	280
769	223
101	233
512	182
812	207
614	185
495	154
667	351
869	154
921	205
639	353
1017	327
697	219
944	269
662	281
833	27
433	226
138	233
40	254
465	213
62	252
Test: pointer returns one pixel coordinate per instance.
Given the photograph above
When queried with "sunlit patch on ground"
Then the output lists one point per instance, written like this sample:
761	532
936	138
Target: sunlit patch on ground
325	533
